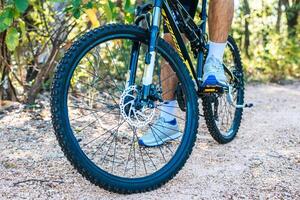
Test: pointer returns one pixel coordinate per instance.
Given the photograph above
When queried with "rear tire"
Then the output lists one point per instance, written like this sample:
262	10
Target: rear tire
227	134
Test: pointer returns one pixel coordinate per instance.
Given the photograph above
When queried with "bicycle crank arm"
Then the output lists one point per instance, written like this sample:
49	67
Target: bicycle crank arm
230	100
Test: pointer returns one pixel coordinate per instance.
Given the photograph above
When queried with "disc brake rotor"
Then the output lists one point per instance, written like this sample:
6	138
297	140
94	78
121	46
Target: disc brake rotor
137	117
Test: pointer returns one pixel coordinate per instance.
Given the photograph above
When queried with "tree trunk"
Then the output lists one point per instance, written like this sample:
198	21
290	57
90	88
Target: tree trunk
43	75
292	11
247	31
47	64
7	90
279	13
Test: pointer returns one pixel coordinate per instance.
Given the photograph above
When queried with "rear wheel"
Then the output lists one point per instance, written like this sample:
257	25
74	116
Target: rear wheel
223	119
89	105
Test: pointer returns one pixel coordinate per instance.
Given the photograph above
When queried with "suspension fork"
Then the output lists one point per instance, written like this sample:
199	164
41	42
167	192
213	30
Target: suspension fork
135	51
151	55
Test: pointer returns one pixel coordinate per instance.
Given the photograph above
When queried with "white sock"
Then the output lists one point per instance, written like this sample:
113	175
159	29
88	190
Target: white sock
168	110
216	50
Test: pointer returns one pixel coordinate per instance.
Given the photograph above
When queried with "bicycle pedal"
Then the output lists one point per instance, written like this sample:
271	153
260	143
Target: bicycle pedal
248	105
212	85
212	89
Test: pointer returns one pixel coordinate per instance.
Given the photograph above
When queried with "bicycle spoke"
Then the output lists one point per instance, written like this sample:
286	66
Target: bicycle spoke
112	96
111	58
87	126
122	52
89	109
97	117
165	105
114	156
171	114
157	143
92	113
140	151
134	156
129	155
94	102
98	101
153	127
115	135
102	134
102	78
100	146
107	69
150	158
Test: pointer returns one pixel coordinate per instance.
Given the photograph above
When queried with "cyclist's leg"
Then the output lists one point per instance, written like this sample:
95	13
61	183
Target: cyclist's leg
220	18
219	21
167	124
171	83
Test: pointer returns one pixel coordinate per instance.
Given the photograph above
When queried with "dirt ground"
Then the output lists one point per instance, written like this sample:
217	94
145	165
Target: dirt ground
263	162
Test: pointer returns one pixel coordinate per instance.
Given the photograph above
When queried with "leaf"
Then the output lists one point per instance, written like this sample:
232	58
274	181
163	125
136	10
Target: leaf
6	19
12	38
128	7
57	1
89	5
91	13
108	11
127	4
21	5
23	29
76	3
76	13
76	8
68	9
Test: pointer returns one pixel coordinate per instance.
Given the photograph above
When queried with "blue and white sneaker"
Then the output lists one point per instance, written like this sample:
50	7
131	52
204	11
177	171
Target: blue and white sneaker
160	132
214	74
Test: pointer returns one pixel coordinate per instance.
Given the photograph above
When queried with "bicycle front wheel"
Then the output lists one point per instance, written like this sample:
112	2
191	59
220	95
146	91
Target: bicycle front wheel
102	144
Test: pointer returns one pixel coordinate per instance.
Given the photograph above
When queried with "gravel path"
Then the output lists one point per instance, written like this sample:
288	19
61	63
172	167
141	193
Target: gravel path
263	162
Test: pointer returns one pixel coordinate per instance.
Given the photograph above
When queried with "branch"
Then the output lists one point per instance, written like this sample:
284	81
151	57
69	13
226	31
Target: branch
286	3
37	180
11	71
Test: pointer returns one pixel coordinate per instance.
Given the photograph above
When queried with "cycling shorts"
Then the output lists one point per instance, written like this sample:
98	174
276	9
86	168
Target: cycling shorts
190	6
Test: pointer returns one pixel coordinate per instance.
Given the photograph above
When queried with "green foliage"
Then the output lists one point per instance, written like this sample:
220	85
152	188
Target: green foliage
274	55
22	26
129	10
6	18
76	7
278	61
108	10
11	13
30	26
12	38
21	5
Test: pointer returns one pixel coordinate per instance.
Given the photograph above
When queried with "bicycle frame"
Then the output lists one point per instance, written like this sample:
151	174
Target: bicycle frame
178	40
165	8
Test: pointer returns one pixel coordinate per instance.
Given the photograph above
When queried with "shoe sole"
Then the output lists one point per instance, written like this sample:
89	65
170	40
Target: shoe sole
212	81
162	141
